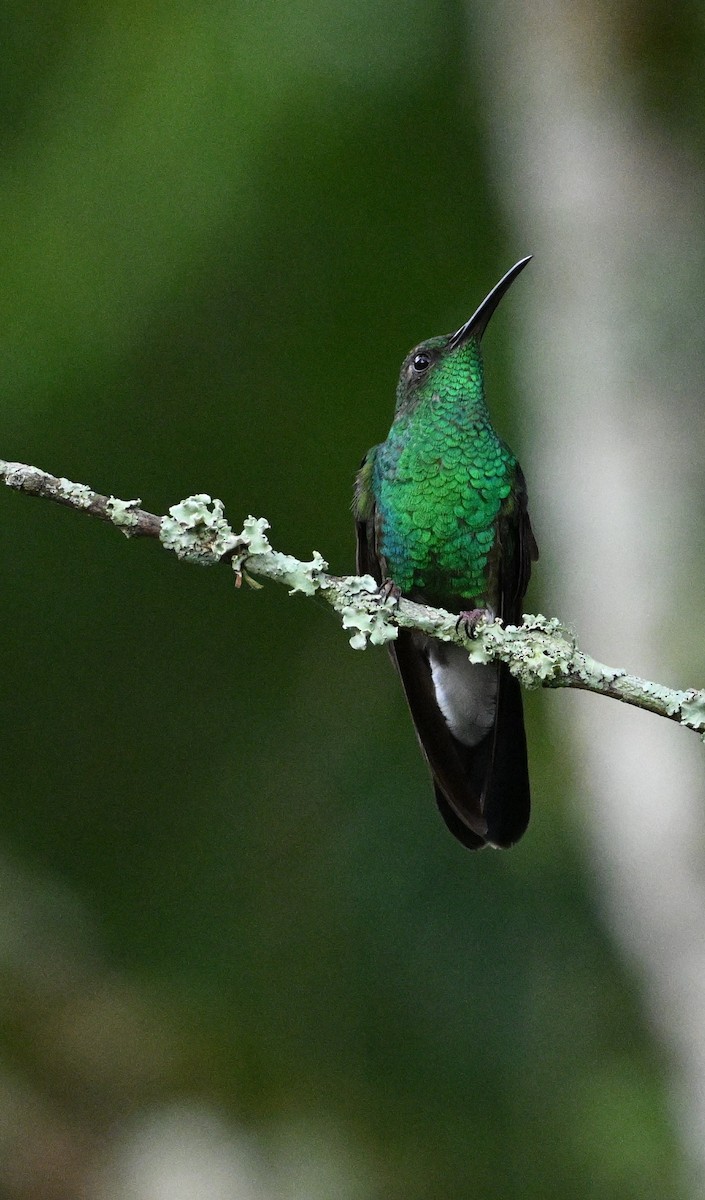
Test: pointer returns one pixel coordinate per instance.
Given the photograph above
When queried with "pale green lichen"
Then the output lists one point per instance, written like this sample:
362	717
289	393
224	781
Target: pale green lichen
673	701
693	710
355	585
306	577
303	577
664	698
592	672
196	530
547	655
535	664
253	547
537	652
254	537
121	514
78	494
369	626
480	648
16	474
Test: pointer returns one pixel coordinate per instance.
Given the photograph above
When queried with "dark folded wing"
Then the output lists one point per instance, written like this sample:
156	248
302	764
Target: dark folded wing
518	550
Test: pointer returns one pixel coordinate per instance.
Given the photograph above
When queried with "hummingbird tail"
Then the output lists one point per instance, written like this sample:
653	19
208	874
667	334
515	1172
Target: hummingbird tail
497	770
481	782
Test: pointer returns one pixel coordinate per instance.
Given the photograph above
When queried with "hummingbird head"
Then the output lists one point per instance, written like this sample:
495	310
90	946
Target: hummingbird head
452	362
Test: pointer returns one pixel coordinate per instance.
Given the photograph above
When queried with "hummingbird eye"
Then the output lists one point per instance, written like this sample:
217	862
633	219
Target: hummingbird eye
421	362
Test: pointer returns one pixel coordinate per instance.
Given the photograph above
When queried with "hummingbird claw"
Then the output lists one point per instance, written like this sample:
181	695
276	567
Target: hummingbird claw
389	591
469	620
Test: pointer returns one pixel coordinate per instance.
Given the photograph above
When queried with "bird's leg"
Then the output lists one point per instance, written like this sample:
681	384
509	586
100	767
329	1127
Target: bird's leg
469	620
390	591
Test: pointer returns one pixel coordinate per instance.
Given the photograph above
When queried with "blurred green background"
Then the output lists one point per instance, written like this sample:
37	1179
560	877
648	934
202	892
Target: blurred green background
240	956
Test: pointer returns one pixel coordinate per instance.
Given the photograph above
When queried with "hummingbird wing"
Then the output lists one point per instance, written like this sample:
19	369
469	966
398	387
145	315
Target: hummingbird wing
497	766
508	801
480	780
518	550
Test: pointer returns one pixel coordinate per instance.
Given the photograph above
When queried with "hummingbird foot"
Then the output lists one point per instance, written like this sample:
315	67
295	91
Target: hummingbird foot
390	592
469	620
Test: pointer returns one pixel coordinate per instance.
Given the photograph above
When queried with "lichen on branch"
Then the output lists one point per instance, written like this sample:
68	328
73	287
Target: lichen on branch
541	652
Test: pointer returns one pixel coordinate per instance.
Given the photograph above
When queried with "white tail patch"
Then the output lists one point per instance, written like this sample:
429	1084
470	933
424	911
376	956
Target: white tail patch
466	692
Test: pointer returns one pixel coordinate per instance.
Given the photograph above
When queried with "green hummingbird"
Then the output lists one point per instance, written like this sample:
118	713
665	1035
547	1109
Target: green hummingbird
441	517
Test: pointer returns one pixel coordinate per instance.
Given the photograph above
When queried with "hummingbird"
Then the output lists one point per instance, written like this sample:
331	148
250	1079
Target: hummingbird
441	518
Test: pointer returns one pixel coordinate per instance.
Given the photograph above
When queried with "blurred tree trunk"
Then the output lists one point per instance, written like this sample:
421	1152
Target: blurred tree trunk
611	215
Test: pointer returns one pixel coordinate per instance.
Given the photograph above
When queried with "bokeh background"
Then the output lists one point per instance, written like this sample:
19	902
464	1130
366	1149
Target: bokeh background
240	956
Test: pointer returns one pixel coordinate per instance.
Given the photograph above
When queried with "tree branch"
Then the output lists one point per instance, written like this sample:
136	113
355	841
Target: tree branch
540	653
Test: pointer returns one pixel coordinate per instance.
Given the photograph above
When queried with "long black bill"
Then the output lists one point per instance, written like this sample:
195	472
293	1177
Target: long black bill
479	320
